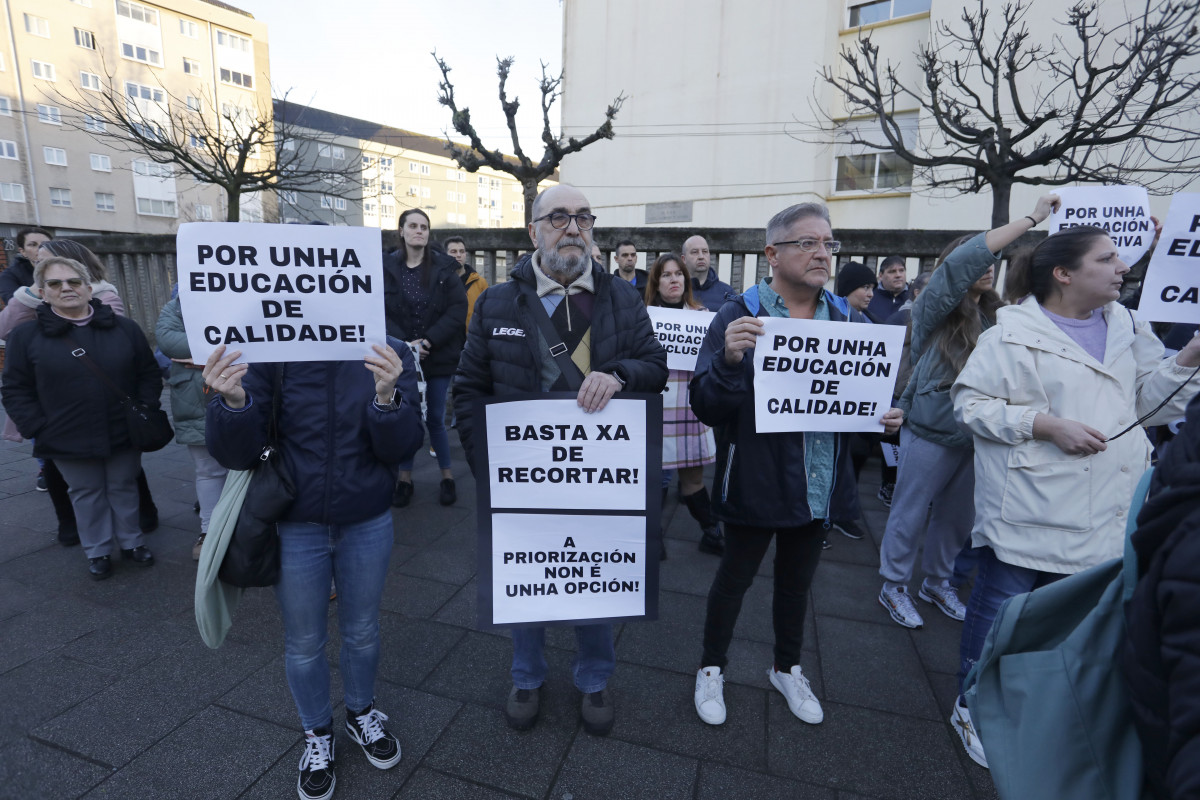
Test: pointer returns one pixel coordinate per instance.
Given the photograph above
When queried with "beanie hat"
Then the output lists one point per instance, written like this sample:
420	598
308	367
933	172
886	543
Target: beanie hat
851	276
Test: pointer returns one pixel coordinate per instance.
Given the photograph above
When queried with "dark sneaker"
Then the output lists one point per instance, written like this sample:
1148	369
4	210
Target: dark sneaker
316	779
100	567
448	494
68	534
885	494
403	495
40	483
139	555
148	518
850	528
711	541
522	708
597	713
198	547
381	747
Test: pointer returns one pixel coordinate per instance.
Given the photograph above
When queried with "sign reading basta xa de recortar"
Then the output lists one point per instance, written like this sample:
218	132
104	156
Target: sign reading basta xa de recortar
281	292
568	509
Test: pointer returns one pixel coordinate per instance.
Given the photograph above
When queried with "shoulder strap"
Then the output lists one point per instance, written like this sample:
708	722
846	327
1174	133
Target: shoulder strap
569	368
84	359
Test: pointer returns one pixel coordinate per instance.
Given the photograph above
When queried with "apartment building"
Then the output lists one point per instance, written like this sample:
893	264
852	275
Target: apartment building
203	55
395	170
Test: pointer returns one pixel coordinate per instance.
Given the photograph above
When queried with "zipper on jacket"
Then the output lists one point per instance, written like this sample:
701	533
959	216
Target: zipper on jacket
331	405
728	469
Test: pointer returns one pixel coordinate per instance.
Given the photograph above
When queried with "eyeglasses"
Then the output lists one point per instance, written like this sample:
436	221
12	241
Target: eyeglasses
560	220
810	245
55	283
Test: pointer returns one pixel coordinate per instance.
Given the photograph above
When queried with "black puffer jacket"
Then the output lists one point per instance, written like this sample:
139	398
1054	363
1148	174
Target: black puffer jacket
341	450
502	356
55	399
18	273
1161	658
444	322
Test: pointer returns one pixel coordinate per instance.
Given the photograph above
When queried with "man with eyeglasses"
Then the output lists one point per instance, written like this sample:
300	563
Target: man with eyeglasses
603	343
786	486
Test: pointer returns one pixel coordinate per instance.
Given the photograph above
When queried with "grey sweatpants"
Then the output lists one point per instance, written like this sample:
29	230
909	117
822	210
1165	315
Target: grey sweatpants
104	494
934	480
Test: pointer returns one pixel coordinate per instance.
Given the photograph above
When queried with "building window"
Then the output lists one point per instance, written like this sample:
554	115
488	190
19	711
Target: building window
413	191
387	187
101	163
191	66
140	53
233	41
387	211
38	26
326	201
418	169
189	29
60	197
193	103
481	182
85	39
55	156
8	149
386	164
89	80
518	206
12	192
333	152
339	203
137	12
288	197
51	115
138	91
236	78
150	169
84	3
862	169
872	11
5	107
426	193
43	70
155	208
106	201
203	212
94	124
369	208
455	175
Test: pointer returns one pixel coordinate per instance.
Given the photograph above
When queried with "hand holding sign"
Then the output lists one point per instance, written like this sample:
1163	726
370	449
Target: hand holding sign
741	335
225	377
387	366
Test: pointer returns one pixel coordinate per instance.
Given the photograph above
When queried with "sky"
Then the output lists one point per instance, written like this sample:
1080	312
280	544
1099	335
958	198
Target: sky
373	60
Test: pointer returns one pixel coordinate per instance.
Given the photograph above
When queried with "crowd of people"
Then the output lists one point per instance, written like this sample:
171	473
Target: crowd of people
1019	421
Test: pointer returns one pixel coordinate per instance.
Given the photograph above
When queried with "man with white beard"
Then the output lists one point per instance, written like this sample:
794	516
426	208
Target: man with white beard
561	323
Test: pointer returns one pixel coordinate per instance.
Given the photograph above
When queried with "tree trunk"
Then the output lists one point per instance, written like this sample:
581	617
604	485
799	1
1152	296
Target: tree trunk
1001	198
530	190
233	201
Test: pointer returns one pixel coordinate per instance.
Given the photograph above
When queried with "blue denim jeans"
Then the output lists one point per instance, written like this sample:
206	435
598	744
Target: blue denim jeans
435	421
995	582
594	663
356	555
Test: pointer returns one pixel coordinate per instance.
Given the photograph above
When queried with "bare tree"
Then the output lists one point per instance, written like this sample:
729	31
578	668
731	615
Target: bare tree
242	150
520	166
1107	103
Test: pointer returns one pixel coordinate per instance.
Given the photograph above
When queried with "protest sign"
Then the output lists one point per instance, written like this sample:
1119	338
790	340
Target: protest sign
891	454
569	509
1171	288
281	292
680	332
824	376
1123	211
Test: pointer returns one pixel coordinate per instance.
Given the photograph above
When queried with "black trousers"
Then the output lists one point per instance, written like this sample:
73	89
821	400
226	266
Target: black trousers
797	553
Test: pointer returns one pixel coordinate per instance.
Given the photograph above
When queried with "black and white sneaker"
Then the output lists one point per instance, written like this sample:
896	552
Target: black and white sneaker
381	748
316	779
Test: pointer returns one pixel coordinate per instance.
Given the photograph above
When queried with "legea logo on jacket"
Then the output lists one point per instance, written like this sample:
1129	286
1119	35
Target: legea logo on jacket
508	332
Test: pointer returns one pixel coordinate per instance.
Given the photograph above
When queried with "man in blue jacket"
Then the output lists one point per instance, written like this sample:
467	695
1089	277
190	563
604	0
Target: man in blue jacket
608	346
786	486
706	286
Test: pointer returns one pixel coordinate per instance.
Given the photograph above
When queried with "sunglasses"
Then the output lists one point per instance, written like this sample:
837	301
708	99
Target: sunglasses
55	283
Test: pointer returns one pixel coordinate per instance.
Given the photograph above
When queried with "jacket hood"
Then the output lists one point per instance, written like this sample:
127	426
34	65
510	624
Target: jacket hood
753	303
52	324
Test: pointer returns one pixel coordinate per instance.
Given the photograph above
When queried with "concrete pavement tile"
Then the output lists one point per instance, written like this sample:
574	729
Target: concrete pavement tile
481	748
49	625
17	597
265	694
721	782
183	764
446	560
30	770
851	551
874	666
479	670
30	510
41	689
427	784
116	724
16	541
413	648
606	769
415	597
850	591
422	524
657	709
874	753
937	643
459	610
125	646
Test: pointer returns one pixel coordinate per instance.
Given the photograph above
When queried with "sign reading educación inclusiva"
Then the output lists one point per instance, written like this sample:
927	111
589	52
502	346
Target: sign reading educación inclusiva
568	509
281	292
812	375
1121	211
681	332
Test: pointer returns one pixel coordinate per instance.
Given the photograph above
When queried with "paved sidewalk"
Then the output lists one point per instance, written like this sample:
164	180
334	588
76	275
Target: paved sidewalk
109	692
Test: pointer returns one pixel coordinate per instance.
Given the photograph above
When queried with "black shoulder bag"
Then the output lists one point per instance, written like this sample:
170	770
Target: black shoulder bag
149	429
253	555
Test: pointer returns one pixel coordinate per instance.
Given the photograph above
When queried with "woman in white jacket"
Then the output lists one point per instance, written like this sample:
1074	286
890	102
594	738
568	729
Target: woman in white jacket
1047	394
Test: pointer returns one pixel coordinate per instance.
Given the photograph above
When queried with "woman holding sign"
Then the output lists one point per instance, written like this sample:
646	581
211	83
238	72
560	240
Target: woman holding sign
1055	396
688	443
426	306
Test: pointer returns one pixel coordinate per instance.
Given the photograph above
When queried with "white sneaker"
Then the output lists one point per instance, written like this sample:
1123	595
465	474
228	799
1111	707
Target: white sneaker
795	689
710	695
960	720
945	598
899	604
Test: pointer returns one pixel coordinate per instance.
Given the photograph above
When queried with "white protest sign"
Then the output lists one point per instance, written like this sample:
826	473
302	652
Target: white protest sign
553	455
1123	211
552	568
824	376
281	292
681	332
891	454
1171	288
